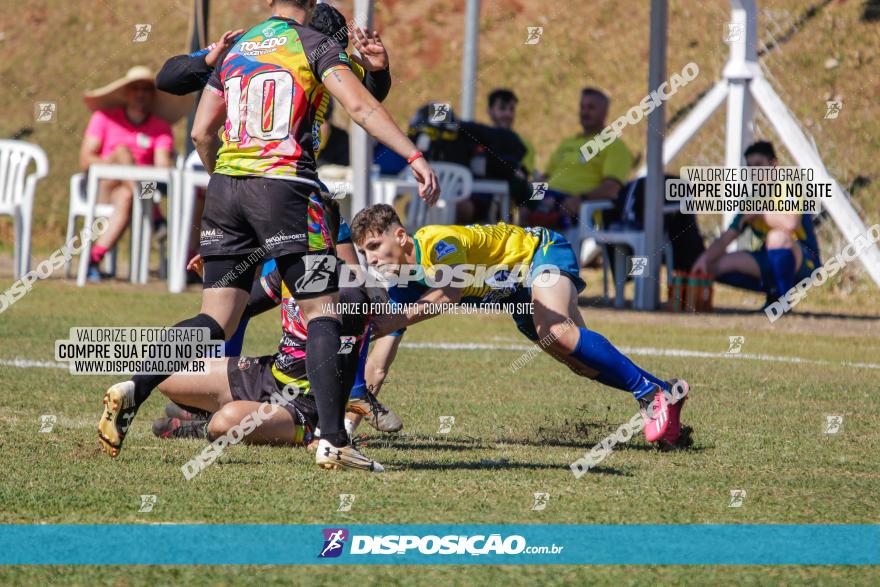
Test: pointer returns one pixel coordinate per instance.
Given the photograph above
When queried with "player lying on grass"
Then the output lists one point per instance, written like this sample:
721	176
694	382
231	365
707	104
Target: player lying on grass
263	196
183	74
267	293
525	265
236	386
788	250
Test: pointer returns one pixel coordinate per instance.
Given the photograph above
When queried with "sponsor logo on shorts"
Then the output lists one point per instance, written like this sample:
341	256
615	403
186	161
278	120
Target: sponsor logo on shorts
244	363
211	236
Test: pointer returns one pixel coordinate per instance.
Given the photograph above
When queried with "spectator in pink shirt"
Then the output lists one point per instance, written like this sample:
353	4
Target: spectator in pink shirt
131	125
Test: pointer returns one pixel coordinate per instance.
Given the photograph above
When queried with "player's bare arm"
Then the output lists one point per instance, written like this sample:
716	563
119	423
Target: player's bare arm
369	114
210	116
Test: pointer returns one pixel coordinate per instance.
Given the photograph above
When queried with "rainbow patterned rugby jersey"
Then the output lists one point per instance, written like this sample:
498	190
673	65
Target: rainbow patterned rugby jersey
271	80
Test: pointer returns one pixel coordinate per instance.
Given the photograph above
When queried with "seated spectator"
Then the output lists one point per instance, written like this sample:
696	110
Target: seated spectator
570	179
333	149
500	153
131	125
788	250
502	113
628	214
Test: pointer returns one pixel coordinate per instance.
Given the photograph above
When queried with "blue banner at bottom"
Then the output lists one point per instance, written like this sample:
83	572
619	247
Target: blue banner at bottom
189	544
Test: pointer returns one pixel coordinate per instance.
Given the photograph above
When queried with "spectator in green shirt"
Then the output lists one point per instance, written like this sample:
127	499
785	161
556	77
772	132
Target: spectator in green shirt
601	177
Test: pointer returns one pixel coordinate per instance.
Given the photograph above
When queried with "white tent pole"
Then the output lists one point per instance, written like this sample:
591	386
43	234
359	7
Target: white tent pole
838	206
469	60
687	128
741	68
654	183
360	144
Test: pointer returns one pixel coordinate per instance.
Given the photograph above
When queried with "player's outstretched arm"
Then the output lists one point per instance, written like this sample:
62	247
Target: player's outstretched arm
429	305
365	110
183	74
210	116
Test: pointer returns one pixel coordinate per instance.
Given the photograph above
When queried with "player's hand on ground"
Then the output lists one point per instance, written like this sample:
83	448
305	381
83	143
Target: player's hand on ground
222	45
196	264
429	188
373	55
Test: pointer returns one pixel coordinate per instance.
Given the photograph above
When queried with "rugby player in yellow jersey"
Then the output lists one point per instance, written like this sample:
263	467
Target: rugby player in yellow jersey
494	263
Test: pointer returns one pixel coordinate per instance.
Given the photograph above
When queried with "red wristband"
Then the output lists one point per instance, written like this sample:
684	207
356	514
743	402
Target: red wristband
414	157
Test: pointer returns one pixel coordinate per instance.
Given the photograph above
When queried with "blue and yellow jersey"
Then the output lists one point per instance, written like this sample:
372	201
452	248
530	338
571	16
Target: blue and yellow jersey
488	245
803	233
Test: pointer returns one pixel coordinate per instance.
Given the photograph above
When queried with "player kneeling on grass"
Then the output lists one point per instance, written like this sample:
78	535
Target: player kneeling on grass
234	387
527	265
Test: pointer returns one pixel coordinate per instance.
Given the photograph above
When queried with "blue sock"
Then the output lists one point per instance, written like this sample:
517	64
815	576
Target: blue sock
234	344
742	281
615	369
653	379
360	382
782	264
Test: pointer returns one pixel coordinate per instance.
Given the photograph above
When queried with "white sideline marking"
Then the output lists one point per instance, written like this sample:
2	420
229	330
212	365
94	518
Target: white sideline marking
641	351
477	346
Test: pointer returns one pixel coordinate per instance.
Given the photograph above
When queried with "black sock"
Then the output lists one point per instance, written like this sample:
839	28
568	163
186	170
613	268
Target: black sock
145	384
324	369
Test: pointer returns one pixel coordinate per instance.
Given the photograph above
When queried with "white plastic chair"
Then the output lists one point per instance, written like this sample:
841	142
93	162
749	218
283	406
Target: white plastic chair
189	176
456	184
79	208
17	194
632	239
141	225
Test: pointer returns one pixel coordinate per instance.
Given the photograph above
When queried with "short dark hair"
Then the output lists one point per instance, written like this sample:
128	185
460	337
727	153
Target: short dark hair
329	21
502	95
764	148
297	3
595	92
373	220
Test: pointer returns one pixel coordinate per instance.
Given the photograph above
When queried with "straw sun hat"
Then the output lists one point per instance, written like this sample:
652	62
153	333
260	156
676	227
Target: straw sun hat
167	106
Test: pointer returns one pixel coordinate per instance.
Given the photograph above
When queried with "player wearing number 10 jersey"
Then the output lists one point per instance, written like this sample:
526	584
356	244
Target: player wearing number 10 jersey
263	197
272	82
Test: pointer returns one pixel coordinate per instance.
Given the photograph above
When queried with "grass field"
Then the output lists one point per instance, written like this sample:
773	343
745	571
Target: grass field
757	425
